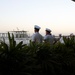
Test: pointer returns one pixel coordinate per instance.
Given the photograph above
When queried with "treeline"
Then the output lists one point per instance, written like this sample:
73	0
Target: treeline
37	59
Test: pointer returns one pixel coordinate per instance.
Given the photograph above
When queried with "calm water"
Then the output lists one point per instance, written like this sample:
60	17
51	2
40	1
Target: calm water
25	40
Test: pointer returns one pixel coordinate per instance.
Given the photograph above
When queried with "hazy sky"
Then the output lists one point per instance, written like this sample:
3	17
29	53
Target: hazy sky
58	15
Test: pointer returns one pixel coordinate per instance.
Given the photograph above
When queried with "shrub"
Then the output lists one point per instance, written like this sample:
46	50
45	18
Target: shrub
37	59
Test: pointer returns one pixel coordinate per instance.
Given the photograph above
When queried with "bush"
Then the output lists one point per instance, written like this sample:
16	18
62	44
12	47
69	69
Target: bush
37	59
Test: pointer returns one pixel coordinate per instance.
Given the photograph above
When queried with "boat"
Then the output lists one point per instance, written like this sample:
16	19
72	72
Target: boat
18	36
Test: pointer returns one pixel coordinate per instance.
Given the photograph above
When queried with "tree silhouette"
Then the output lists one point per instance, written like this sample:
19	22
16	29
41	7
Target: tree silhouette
73	0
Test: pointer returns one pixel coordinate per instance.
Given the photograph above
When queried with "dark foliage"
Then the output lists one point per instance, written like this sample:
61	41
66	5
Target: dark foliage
37	59
73	0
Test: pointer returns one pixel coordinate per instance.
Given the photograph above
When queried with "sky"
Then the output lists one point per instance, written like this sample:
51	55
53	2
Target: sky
57	15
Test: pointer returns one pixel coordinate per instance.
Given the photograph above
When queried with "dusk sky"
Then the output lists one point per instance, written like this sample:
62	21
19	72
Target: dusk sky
57	15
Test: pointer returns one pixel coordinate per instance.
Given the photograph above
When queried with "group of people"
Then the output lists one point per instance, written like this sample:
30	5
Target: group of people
38	38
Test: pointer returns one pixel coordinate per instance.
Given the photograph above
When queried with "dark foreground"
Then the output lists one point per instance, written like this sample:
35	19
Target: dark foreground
37	59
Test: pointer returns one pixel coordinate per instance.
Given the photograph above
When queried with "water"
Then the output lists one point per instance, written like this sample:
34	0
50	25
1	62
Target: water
25	40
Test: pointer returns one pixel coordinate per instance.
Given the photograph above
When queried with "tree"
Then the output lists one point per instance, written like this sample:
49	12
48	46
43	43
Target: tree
73	0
